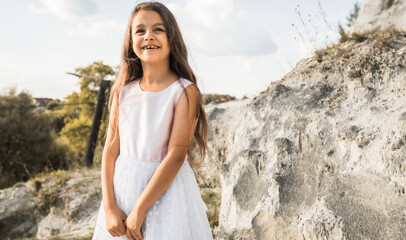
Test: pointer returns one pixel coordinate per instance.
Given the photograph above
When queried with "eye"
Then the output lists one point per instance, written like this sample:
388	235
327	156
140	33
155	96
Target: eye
139	31
159	30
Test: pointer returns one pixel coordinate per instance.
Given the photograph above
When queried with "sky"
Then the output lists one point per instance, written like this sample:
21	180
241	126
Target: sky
236	47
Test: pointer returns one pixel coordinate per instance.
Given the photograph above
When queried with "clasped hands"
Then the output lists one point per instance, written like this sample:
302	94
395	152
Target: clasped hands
118	224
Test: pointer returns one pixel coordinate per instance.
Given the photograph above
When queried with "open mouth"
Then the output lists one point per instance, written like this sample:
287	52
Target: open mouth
150	47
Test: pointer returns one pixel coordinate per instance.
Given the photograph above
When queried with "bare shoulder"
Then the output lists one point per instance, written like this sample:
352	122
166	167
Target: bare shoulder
184	119
189	94
191	89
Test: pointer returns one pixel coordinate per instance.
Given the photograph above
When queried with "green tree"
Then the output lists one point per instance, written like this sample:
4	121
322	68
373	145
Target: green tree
28	143
79	108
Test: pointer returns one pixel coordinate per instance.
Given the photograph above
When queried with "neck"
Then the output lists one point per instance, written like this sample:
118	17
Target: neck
157	73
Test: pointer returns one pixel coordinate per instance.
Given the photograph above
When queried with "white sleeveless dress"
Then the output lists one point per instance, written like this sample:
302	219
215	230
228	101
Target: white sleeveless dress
145	123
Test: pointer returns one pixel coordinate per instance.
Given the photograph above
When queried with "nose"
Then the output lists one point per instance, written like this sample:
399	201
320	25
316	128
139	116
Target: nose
148	36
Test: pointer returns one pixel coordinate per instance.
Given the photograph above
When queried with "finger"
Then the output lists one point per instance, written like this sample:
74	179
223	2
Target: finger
141	236
138	235
119	230
113	233
122	229
134	234
128	234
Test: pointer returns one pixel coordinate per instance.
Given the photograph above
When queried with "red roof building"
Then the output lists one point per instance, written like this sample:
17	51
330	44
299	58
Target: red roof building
42	102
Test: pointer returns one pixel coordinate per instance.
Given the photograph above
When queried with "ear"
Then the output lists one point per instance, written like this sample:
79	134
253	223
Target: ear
184	122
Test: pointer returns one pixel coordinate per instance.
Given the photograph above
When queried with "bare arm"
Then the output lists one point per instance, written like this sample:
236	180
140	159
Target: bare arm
110	153
181	135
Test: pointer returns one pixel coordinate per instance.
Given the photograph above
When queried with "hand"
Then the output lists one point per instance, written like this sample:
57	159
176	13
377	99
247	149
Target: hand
115	221
134	222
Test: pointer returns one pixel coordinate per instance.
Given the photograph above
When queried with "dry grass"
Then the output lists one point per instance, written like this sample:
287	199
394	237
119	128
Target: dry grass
319	54
48	194
380	39
213	201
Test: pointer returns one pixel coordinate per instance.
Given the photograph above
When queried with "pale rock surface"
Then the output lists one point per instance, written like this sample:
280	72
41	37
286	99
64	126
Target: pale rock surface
321	153
380	14
64	205
16	208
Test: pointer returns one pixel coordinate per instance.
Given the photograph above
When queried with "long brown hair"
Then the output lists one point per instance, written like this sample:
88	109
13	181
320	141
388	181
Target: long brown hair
131	69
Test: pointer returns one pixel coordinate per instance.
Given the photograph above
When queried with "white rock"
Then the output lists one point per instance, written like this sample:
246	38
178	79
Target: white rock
380	14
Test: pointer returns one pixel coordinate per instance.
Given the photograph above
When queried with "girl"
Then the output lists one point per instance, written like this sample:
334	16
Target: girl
149	189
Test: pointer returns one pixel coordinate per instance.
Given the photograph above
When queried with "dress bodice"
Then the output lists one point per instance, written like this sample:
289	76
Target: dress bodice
145	119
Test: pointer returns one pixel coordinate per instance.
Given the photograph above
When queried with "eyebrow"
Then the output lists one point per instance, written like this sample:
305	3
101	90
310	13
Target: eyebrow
156	24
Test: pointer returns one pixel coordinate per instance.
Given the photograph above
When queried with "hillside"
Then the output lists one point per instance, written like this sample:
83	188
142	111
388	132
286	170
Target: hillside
320	154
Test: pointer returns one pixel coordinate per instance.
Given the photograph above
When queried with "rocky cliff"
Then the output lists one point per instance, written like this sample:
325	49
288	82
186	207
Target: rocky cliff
61	205
321	153
380	14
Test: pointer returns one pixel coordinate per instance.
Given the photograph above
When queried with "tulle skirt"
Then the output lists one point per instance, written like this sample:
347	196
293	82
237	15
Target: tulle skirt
179	214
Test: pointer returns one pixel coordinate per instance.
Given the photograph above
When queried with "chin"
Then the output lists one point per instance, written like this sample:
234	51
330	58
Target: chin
153	60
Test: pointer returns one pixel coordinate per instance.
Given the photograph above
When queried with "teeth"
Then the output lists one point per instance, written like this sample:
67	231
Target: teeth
151	47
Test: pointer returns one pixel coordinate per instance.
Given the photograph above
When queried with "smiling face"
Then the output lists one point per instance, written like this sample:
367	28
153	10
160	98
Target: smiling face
150	42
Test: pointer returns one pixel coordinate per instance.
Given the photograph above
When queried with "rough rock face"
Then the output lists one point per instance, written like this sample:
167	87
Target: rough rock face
63	205
380	14
321	153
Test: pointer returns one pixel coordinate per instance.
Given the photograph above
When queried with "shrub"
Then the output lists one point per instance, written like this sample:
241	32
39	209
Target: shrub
29	143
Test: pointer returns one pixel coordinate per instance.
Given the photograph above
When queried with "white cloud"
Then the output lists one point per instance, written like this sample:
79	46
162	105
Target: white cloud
221	28
66	9
102	28
35	9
